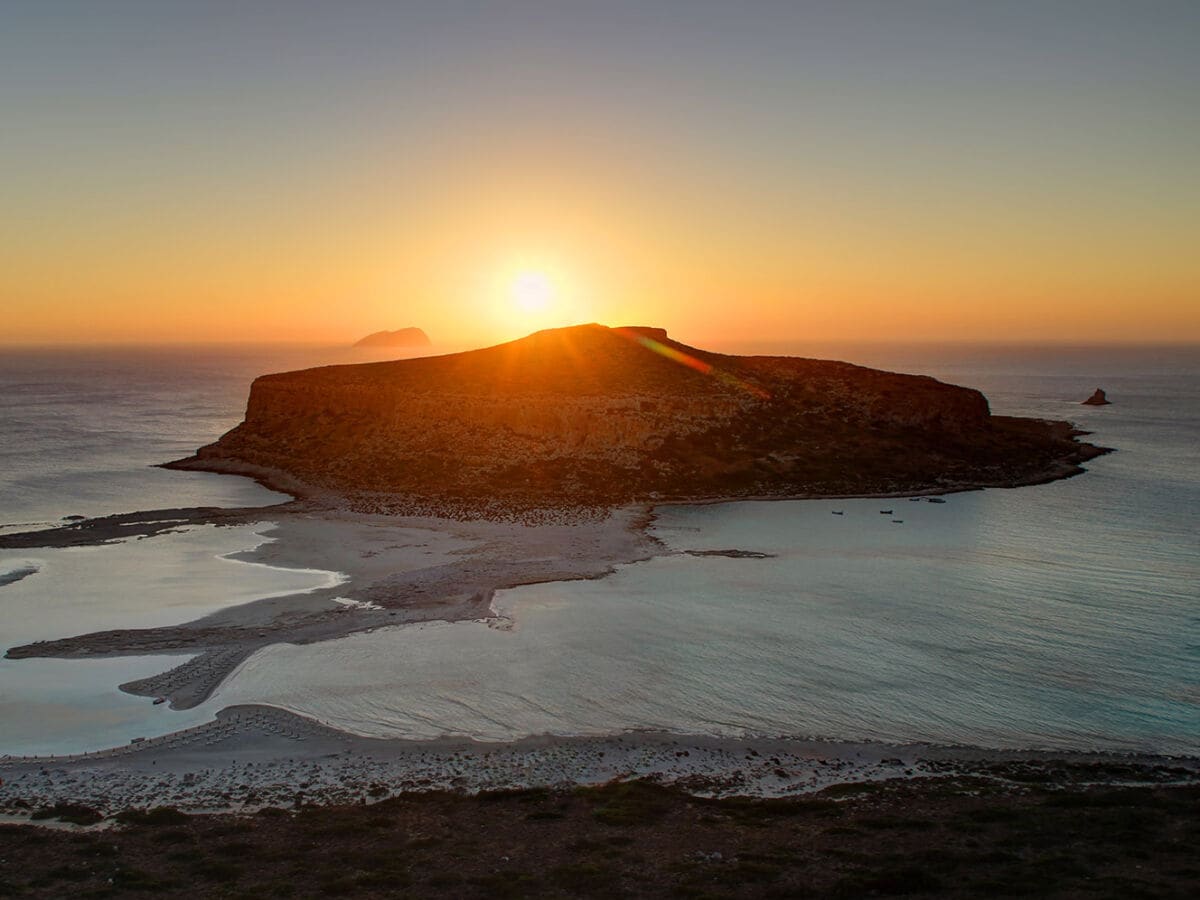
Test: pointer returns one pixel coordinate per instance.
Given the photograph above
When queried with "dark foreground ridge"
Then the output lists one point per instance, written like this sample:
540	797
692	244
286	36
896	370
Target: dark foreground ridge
597	416
946	837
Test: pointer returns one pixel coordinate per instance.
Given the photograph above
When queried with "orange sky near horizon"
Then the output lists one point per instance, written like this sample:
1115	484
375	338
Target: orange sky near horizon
911	193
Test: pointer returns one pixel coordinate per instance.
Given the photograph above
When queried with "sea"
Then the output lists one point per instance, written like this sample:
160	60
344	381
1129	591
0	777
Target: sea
1061	616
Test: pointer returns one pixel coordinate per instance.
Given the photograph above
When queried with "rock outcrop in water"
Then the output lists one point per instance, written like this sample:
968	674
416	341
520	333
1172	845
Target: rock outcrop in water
404	337
1098	398
591	415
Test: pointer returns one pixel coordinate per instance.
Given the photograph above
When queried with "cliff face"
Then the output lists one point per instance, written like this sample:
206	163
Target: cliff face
597	415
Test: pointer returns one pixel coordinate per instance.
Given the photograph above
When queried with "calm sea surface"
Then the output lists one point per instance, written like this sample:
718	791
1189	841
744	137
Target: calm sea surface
1064	615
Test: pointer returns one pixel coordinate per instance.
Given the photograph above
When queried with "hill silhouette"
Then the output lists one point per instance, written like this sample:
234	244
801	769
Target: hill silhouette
590	415
403	337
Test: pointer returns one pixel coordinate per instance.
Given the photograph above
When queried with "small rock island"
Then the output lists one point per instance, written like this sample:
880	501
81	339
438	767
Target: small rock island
591	416
403	337
1098	398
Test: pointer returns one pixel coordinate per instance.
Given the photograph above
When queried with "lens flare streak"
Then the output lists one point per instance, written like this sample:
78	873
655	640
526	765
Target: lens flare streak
686	359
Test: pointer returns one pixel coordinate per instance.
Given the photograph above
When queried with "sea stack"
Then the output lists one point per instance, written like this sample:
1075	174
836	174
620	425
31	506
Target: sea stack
595	416
1097	399
403	337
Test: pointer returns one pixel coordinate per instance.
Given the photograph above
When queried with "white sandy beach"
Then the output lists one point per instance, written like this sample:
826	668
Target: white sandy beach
253	757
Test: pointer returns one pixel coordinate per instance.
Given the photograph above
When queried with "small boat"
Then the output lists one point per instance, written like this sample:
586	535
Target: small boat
886	512
158	700
838	512
934	500
914	499
897	521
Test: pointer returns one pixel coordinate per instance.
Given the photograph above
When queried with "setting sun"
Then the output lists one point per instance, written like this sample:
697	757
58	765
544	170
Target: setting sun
532	291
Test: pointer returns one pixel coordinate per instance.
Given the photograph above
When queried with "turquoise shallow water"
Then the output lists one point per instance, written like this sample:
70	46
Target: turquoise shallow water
959	626
1064	615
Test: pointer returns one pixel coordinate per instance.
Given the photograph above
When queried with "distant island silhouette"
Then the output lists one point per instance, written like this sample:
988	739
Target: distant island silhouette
591	416
403	337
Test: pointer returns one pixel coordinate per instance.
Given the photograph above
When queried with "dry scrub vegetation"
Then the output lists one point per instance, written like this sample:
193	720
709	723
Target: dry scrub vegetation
950	837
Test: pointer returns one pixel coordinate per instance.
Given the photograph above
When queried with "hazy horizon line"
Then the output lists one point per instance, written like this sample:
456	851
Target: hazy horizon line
456	346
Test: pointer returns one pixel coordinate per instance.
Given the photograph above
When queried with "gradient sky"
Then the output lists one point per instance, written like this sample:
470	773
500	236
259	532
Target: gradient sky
894	170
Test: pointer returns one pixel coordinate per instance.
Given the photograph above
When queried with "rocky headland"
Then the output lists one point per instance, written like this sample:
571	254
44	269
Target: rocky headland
591	416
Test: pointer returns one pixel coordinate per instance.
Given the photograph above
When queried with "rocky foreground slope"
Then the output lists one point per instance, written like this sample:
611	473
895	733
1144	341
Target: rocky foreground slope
591	415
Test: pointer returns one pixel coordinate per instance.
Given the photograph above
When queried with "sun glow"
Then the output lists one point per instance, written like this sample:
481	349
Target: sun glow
532	292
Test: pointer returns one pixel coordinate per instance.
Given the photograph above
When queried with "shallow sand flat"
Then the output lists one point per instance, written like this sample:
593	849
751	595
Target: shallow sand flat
362	550
397	569
368	546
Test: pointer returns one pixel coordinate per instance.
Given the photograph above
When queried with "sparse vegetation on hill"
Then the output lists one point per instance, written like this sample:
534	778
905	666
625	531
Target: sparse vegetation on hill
592	417
952	837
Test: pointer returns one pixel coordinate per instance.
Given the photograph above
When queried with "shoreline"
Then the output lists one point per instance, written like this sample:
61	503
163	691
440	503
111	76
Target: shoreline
310	499
397	569
253	756
1068	465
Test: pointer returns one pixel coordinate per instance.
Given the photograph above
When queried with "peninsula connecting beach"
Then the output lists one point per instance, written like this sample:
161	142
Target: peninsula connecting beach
405	570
